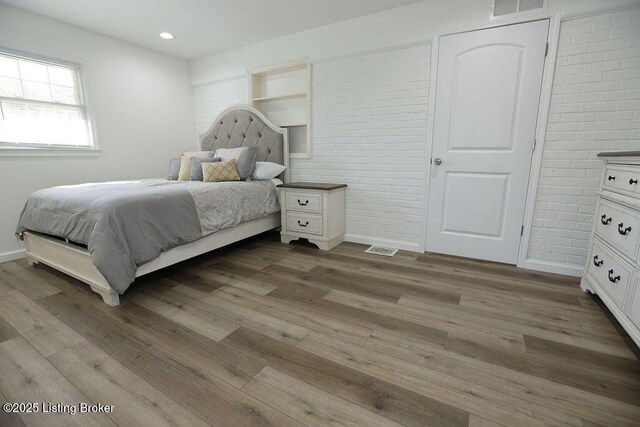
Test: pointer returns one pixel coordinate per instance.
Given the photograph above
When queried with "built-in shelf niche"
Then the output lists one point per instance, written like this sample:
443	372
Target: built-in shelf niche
281	92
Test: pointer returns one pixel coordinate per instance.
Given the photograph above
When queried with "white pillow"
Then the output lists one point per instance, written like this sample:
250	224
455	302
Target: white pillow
267	170
227	154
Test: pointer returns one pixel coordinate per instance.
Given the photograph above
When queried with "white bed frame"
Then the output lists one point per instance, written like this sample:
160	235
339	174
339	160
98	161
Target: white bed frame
76	262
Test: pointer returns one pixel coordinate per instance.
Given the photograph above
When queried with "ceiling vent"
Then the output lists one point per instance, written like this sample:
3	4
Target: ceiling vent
506	7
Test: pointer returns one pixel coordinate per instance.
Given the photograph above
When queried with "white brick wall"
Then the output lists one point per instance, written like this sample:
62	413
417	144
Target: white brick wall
595	107
369	117
210	99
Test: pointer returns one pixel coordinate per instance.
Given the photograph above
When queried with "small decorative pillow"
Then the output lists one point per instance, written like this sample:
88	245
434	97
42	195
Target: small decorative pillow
245	159
247	163
174	169
196	166
220	171
267	170
185	163
227	154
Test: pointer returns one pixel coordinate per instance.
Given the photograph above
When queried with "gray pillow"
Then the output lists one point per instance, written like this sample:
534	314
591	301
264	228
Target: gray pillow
246	163
174	169
196	166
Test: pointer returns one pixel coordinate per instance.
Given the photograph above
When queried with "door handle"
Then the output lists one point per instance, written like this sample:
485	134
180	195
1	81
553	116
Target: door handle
604	220
437	161
623	231
611	278
596	262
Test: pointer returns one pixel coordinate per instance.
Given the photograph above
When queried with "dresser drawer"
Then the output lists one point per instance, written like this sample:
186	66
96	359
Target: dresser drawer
622	180
304	223
304	202
611	271
619	226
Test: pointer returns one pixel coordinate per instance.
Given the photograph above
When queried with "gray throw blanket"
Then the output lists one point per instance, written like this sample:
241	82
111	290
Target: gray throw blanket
126	224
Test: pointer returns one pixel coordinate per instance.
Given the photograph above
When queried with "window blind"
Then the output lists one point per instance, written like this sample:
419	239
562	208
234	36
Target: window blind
41	104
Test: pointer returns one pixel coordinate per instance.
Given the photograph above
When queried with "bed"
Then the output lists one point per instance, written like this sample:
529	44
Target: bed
107	234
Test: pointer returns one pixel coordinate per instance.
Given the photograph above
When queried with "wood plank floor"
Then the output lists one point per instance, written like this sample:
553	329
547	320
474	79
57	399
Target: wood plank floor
261	333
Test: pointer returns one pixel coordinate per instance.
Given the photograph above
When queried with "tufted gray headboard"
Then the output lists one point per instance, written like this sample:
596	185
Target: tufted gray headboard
244	126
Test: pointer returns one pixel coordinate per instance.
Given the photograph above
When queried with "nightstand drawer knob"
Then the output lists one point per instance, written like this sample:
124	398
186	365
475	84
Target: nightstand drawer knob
604	220
303	204
596	262
303	225
633	181
611	178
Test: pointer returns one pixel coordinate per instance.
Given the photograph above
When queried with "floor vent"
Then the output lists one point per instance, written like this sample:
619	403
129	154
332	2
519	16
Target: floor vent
379	250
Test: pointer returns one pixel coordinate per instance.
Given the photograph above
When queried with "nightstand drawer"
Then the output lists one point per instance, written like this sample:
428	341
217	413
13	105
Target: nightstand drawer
304	202
611	271
302	223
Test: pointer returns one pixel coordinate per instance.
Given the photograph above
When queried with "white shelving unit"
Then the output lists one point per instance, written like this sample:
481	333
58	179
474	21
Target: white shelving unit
282	93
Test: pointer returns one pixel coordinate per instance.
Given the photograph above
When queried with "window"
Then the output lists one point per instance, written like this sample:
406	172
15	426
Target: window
41	104
505	7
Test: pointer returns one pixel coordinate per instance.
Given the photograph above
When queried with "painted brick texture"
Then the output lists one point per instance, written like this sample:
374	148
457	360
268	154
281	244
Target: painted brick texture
369	124
209	100
595	107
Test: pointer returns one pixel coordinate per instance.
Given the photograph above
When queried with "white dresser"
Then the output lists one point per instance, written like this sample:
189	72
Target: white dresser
613	265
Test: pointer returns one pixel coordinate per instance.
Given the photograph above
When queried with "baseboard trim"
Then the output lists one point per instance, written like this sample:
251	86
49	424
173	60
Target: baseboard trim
552	267
12	255
387	243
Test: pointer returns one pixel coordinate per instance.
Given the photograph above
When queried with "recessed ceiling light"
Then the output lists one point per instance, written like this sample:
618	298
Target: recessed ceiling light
166	36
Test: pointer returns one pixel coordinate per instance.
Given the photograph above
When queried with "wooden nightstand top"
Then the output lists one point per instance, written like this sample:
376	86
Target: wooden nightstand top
312	185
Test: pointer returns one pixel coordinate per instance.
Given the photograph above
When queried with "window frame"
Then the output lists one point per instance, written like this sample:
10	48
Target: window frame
34	150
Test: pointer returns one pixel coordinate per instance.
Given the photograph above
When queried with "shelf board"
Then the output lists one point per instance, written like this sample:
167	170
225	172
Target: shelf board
281	68
299	155
290	125
294	95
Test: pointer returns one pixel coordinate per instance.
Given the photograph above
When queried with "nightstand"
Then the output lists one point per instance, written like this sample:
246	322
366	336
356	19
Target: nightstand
313	211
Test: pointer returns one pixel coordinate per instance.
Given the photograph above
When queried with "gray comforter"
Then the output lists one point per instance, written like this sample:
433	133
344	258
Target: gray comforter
126	224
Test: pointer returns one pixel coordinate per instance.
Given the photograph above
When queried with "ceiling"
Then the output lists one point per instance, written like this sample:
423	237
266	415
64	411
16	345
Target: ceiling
201	27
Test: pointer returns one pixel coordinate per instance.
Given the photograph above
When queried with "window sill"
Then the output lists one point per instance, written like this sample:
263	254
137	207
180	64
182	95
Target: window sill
48	152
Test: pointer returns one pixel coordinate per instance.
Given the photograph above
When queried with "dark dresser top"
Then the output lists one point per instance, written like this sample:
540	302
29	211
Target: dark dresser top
312	185
620	154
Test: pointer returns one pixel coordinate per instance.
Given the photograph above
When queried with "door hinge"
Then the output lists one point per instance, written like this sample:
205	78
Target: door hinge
546	50
522	230
535	142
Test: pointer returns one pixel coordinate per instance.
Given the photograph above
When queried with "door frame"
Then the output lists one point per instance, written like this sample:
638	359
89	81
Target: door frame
555	17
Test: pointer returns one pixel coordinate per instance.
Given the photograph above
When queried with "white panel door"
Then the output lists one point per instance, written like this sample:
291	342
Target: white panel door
486	107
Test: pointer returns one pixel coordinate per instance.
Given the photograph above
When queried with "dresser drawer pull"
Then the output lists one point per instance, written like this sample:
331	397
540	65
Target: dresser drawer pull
611	178
303	225
633	181
596	262
623	231
303	204
604	220
611	278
